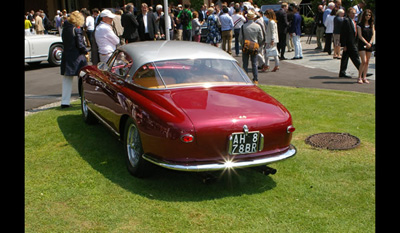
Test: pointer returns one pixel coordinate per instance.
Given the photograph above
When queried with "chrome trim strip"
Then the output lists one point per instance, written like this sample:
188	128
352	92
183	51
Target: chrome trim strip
103	121
222	166
189	86
230	143
261	146
37	56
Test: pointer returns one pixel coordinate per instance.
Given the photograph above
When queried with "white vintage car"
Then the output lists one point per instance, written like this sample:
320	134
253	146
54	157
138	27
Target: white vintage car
40	48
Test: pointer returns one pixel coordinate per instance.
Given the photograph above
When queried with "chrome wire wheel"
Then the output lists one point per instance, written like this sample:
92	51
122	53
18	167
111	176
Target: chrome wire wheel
84	107
133	145
137	166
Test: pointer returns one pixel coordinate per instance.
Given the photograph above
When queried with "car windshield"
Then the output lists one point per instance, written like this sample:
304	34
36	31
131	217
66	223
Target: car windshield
200	72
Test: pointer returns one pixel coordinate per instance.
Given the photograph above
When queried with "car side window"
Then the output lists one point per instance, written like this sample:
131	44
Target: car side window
121	65
147	76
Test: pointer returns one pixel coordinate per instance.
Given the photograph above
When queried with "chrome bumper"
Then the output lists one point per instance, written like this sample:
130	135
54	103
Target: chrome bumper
222	166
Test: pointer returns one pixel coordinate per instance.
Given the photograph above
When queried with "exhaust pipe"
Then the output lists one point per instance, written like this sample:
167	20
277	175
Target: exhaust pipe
265	170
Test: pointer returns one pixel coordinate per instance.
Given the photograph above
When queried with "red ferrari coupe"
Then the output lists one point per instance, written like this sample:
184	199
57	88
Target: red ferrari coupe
185	106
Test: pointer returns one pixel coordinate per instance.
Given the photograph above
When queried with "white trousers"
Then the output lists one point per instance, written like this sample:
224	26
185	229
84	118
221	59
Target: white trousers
66	90
298	51
104	57
276	58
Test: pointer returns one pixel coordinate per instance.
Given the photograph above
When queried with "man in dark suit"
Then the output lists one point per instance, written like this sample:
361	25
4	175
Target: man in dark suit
202	13
283	24
130	24
295	33
147	24
348	40
171	27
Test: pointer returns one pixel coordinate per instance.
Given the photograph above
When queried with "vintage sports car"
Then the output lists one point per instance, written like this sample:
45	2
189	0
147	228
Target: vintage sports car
40	48
185	106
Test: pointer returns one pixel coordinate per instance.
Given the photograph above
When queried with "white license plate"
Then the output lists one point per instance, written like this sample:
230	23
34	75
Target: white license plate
242	143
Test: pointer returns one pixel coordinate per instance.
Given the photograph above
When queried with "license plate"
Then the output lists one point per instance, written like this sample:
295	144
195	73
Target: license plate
245	143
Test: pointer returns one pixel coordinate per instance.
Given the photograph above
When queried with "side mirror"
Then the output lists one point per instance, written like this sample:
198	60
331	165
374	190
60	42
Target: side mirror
102	66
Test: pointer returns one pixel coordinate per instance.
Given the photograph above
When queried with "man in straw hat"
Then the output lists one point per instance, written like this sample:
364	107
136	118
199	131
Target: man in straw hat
253	32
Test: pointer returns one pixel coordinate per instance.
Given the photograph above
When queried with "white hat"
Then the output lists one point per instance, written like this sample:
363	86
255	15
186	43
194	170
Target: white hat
107	13
158	7
251	14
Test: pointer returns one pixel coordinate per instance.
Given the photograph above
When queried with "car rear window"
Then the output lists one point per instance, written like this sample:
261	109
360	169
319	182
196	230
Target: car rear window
190	72
200	72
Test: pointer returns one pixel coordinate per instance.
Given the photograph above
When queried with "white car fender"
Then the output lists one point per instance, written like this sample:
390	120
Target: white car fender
37	47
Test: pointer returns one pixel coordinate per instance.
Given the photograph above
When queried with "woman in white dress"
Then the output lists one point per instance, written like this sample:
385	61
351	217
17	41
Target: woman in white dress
271	40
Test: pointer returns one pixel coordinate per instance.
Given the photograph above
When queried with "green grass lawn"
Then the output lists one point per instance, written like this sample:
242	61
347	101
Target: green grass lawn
76	180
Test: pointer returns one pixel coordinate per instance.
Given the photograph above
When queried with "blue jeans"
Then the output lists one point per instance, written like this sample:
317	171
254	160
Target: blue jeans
245	58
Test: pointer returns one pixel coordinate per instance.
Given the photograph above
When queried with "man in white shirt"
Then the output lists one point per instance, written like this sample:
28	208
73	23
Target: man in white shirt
89	23
226	28
231	8
238	21
359	9
105	37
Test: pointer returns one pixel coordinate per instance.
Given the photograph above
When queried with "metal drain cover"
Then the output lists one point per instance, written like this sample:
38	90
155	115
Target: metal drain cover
333	141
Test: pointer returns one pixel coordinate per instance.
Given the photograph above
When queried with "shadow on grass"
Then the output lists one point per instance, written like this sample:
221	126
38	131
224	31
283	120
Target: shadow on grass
99	148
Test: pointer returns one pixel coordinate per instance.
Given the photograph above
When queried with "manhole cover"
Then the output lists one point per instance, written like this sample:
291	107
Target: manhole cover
333	141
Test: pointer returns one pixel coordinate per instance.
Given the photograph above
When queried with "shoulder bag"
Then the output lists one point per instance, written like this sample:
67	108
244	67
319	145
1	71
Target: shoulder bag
249	46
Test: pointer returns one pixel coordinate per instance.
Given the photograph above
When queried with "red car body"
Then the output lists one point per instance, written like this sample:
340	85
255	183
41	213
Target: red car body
190	127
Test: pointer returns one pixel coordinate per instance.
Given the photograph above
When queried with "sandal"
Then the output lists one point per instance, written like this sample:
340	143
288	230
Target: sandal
276	68
360	81
365	80
265	68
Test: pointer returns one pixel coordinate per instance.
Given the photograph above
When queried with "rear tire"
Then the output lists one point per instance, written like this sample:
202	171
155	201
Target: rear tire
136	164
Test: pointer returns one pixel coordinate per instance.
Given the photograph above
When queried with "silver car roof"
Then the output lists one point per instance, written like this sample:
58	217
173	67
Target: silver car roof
152	51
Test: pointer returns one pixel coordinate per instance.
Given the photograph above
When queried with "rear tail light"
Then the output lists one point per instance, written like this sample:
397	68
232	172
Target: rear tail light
290	129
187	138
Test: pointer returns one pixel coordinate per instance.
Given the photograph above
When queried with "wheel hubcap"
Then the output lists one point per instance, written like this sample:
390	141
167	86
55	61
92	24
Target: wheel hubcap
133	145
57	52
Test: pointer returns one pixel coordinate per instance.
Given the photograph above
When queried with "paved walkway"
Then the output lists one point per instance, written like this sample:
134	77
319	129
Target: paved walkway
316	59
315	70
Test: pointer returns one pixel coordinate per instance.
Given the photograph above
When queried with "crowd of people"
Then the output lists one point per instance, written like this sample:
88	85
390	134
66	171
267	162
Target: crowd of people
260	35
352	29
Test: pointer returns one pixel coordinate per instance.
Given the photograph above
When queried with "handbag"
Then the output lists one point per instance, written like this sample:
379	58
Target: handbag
272	52
249	46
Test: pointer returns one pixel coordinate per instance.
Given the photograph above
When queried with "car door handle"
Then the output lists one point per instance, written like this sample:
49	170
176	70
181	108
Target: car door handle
119	82
116	81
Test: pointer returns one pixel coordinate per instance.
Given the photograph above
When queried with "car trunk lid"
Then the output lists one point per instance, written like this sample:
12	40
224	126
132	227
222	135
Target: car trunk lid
217	112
